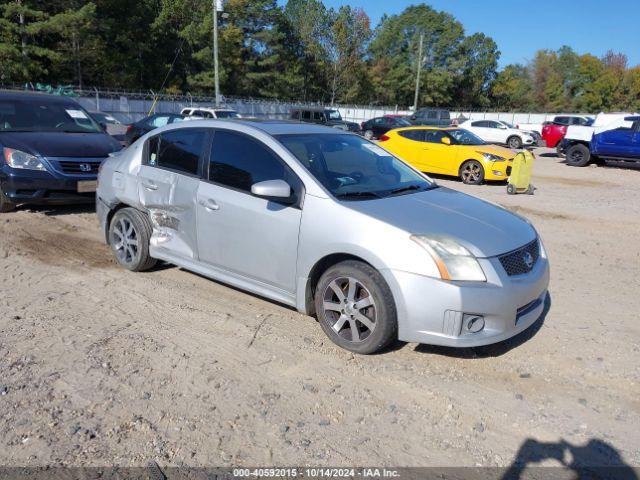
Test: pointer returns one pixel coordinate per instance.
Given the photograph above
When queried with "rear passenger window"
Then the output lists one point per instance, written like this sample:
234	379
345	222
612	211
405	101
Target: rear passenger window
417	135
434	136
238	161
178	150
480	123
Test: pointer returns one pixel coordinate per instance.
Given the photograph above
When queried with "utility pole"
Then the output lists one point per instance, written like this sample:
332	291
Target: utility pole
216	4
418	68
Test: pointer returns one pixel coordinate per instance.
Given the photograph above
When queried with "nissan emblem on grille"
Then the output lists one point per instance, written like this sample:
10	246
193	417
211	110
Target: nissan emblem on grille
522	260
85	167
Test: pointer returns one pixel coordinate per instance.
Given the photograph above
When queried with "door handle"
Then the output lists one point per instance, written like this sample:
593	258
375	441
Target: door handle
150	186
209	204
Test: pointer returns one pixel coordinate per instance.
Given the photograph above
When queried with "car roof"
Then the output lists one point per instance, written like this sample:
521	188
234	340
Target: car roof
313	109
19	95
271	127
427	127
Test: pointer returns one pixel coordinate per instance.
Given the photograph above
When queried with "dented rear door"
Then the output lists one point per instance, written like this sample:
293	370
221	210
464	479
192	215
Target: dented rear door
167	185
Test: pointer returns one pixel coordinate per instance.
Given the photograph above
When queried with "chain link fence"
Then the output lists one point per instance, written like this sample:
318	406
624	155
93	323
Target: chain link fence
132	105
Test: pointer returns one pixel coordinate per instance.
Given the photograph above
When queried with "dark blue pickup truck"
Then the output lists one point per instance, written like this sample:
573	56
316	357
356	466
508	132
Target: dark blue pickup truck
618	144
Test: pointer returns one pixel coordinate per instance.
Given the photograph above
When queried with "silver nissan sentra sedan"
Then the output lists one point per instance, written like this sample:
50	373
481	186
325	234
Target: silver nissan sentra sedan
329	223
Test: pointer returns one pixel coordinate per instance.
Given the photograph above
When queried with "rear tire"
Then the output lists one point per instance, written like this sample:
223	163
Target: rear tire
471	172
511	189
368	134
514	142
129	234
5	204
355	307
578	155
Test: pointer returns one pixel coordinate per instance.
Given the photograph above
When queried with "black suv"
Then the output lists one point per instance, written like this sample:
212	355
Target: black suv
435	117
323	116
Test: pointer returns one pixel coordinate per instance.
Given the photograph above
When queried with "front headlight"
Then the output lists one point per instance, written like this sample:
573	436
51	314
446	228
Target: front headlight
491	158
454	261
18	159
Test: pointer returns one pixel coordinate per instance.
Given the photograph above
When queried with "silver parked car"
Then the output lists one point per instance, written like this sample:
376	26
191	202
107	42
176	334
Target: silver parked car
326	222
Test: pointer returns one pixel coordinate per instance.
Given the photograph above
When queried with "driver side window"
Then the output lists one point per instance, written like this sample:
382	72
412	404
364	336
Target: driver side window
238	161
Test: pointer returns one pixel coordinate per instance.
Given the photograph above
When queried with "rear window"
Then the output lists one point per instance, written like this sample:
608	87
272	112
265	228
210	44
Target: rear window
177	150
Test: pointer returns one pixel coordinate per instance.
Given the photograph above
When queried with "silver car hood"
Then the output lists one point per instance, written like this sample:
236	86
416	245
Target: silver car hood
486	230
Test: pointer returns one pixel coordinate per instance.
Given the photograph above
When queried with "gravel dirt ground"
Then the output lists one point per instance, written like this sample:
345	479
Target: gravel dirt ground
100	366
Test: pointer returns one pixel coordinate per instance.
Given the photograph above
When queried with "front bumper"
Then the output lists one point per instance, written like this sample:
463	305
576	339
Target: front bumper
431	311
498	170
43	187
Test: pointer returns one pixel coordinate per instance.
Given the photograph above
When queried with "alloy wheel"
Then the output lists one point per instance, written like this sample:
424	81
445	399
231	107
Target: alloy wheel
349	308
576	156
124	239
471	173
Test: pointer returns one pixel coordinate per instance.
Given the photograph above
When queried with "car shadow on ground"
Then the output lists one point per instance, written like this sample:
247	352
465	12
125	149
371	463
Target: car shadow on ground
494	350
594	459
55	210
437	176
610	165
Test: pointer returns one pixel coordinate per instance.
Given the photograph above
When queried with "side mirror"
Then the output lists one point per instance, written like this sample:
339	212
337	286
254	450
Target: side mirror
272	189
446	140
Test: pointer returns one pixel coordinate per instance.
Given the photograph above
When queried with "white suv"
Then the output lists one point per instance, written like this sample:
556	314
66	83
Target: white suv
492	131
208	112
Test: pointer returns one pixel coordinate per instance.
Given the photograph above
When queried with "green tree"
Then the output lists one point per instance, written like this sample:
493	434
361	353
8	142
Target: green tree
23	54
76	29
512	89
346	47
394	53
480	61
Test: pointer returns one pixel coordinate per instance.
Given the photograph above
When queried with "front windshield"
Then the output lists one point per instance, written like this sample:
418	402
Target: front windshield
352	168
465	137
333	114
40	115
227	114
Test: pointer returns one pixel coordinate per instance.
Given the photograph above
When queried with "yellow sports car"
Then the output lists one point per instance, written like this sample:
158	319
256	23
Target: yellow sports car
449	151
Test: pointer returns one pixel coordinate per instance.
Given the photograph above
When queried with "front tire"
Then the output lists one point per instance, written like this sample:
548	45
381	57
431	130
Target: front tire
355	307
129	234
5	204
578	155
472	173
514	142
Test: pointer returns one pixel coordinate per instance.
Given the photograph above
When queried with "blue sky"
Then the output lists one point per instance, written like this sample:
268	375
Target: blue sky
521	27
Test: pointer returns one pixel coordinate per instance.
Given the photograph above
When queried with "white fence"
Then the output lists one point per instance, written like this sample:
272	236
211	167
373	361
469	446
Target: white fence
138	108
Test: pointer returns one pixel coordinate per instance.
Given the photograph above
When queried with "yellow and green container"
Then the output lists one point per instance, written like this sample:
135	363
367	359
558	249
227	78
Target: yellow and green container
520	178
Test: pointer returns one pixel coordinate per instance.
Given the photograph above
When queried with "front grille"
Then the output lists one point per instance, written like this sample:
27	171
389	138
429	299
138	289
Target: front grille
76	165
522	260
79	167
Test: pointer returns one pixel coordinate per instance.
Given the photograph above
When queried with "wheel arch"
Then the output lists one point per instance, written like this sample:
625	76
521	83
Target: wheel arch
469	160
321	266
115	209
